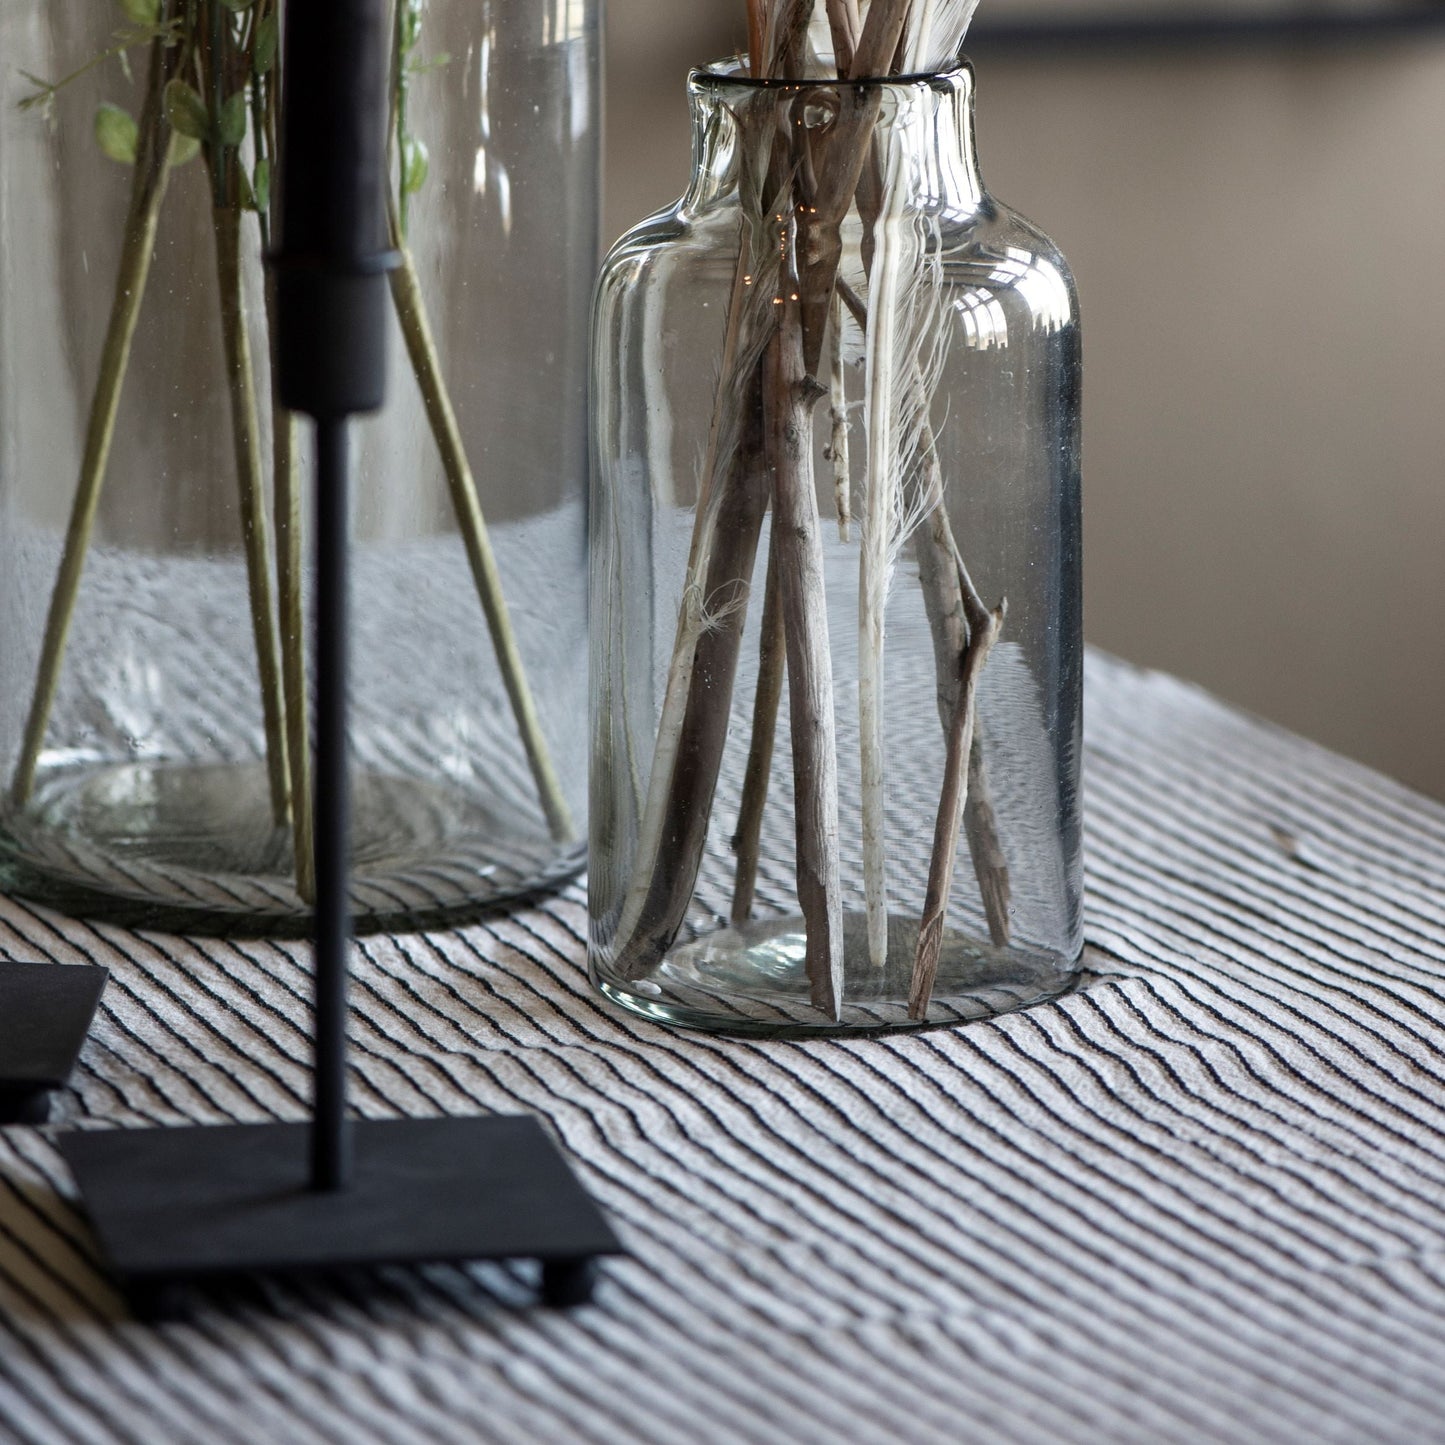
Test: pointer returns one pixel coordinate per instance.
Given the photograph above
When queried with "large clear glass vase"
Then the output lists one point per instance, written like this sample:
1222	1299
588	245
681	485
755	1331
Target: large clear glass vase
154	507
835	577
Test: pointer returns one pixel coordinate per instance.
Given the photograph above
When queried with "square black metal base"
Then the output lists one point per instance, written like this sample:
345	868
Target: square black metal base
45	1014
175	1207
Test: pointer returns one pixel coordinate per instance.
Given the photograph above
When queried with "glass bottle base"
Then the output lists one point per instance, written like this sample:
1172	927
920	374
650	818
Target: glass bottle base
752	980
190	848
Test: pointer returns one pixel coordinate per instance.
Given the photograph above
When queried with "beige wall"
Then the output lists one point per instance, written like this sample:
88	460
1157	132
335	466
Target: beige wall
1259	241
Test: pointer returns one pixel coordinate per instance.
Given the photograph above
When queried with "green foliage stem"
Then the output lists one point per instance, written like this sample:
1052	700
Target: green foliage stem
148	188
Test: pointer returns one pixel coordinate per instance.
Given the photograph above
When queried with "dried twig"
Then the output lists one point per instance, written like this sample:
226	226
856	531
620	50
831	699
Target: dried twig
844	26
790	394
939	564
732	499
788	41
689	754
757	32
837	449
990	866
881	36
983	630
772	645
940	571
731	449
767	396
983	635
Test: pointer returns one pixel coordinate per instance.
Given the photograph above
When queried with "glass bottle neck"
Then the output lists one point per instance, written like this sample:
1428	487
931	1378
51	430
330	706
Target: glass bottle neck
918	131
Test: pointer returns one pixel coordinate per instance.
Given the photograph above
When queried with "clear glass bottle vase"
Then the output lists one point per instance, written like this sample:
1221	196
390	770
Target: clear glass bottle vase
835	577
154	557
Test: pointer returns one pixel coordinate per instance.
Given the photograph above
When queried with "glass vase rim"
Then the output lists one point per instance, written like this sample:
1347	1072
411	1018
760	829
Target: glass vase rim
728	75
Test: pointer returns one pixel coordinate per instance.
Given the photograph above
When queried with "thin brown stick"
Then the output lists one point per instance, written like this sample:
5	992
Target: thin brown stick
985	846
835	155
964	634
984	628
837	449
790	37
255	533
732	499
732	456
943	601
789	396
881	37
844	26
939	570
756	40
416	329
709	658
148	189
772	645
811	241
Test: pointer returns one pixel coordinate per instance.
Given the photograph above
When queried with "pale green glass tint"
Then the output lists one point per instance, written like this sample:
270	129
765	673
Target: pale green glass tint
150	800
1006	418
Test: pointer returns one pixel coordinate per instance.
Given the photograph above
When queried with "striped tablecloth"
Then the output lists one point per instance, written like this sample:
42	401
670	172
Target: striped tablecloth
1200	1199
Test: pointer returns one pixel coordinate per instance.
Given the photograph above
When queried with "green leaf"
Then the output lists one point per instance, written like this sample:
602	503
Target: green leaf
438	61
243	187
183	148
141	12
414	166
261	185
186	111
268	34
410	23
232	129
116	133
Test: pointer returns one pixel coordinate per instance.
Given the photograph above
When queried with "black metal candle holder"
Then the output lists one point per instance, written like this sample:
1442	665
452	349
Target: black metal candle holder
45	1014
176	1207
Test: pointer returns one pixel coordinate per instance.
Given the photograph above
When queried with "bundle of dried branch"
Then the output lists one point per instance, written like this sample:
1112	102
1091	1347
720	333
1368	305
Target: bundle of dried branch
800	183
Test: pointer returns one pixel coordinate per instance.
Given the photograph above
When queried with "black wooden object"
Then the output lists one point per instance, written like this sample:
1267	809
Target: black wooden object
45	1014
177	1207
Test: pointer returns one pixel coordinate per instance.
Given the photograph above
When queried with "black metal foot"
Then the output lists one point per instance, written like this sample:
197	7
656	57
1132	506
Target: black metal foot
568	1282
157	1302
206	1203
45	1011
25	1106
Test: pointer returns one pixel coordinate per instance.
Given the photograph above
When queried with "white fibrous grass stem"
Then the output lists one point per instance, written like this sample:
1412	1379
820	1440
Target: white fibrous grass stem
934	32
907	330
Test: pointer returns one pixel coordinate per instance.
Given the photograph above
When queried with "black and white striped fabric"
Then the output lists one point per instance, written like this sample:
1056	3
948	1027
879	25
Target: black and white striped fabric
1200	1199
